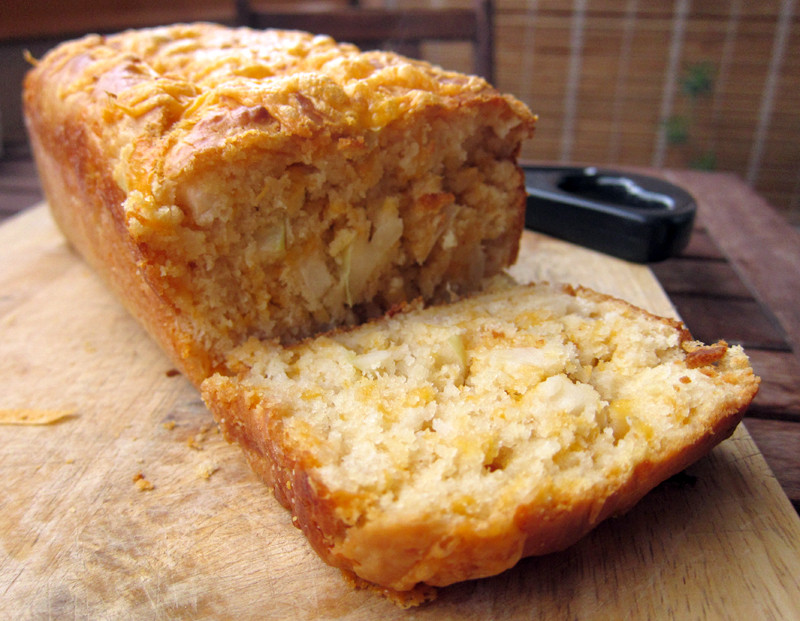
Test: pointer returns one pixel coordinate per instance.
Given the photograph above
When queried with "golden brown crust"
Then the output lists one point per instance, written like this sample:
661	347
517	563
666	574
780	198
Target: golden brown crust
88	210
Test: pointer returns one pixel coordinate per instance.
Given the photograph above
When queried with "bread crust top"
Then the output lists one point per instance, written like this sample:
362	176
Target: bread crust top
168	94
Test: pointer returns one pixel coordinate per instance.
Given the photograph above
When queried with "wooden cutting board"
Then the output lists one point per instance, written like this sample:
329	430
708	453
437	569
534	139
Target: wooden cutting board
82	536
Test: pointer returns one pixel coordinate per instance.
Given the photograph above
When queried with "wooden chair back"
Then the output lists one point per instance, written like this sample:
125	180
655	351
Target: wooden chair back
400	30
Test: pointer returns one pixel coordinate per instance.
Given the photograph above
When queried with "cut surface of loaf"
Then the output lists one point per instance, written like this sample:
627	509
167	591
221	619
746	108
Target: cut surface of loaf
444	444
232	183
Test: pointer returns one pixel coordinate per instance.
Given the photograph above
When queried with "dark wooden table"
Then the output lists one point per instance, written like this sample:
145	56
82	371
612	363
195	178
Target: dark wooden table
738	280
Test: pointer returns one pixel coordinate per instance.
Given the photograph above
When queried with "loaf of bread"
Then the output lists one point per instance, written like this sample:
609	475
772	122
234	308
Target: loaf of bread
232	183
443	444
308	230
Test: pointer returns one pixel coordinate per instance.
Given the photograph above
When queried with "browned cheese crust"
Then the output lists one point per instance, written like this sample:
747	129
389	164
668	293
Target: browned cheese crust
648	402
231	183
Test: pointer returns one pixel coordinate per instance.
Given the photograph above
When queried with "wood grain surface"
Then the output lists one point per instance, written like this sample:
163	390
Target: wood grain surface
134	506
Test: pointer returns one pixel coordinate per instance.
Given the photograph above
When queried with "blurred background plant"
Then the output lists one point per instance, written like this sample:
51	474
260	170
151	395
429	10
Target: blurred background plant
682	130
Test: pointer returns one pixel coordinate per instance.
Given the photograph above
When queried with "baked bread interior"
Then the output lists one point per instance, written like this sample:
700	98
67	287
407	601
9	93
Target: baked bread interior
443	444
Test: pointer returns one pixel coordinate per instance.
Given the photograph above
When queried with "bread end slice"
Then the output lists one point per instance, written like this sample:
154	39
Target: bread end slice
444	444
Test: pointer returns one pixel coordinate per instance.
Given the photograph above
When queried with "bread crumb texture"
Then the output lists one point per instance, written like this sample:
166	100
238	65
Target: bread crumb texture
436	429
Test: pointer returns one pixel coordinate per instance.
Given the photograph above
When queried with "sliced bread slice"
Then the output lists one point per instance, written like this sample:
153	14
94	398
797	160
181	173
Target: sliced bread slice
444	444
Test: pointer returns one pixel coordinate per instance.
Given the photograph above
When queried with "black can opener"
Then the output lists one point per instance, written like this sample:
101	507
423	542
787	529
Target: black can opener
634	217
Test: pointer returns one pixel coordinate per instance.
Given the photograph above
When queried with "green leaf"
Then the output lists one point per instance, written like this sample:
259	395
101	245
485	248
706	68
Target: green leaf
677	130
698	80
704	161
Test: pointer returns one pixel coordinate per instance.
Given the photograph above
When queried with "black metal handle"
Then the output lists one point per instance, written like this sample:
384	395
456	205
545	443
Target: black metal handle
634	217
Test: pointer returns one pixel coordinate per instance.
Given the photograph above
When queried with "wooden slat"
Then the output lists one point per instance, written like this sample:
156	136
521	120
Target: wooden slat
753	11
746	322
778	441
354	25
701	246
13	203
18	173
700	277
779	396
19	185
22	19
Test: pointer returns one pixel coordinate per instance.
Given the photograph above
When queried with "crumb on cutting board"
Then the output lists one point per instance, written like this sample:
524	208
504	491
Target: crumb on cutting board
417	596
196	441
28	416
142	483
206	469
